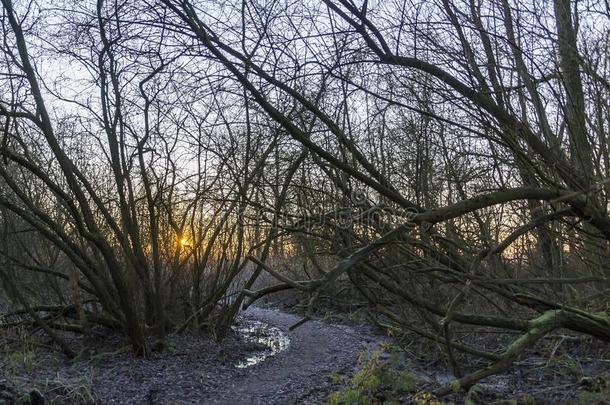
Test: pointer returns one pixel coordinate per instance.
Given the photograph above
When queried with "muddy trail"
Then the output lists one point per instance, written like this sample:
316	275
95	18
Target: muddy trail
262	362
300	372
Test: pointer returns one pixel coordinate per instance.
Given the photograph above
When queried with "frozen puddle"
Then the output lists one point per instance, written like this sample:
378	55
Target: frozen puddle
261	333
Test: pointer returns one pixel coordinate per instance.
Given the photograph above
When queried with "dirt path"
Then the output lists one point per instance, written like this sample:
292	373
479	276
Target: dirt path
195	370
300	373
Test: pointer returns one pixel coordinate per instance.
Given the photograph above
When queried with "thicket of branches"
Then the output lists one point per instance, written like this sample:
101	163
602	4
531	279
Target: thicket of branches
447	161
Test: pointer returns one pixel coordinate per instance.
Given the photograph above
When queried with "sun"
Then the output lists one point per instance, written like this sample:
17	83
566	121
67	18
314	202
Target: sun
183	242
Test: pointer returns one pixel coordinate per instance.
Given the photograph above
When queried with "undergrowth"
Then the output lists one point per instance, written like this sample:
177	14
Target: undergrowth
384	377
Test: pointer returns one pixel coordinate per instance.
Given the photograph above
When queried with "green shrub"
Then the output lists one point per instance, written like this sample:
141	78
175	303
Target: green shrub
377	380
25	359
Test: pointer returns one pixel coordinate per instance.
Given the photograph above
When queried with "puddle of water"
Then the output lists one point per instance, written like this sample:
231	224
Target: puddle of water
261	333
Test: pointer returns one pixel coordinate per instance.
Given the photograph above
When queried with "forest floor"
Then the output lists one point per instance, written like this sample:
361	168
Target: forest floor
200	371
302	366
